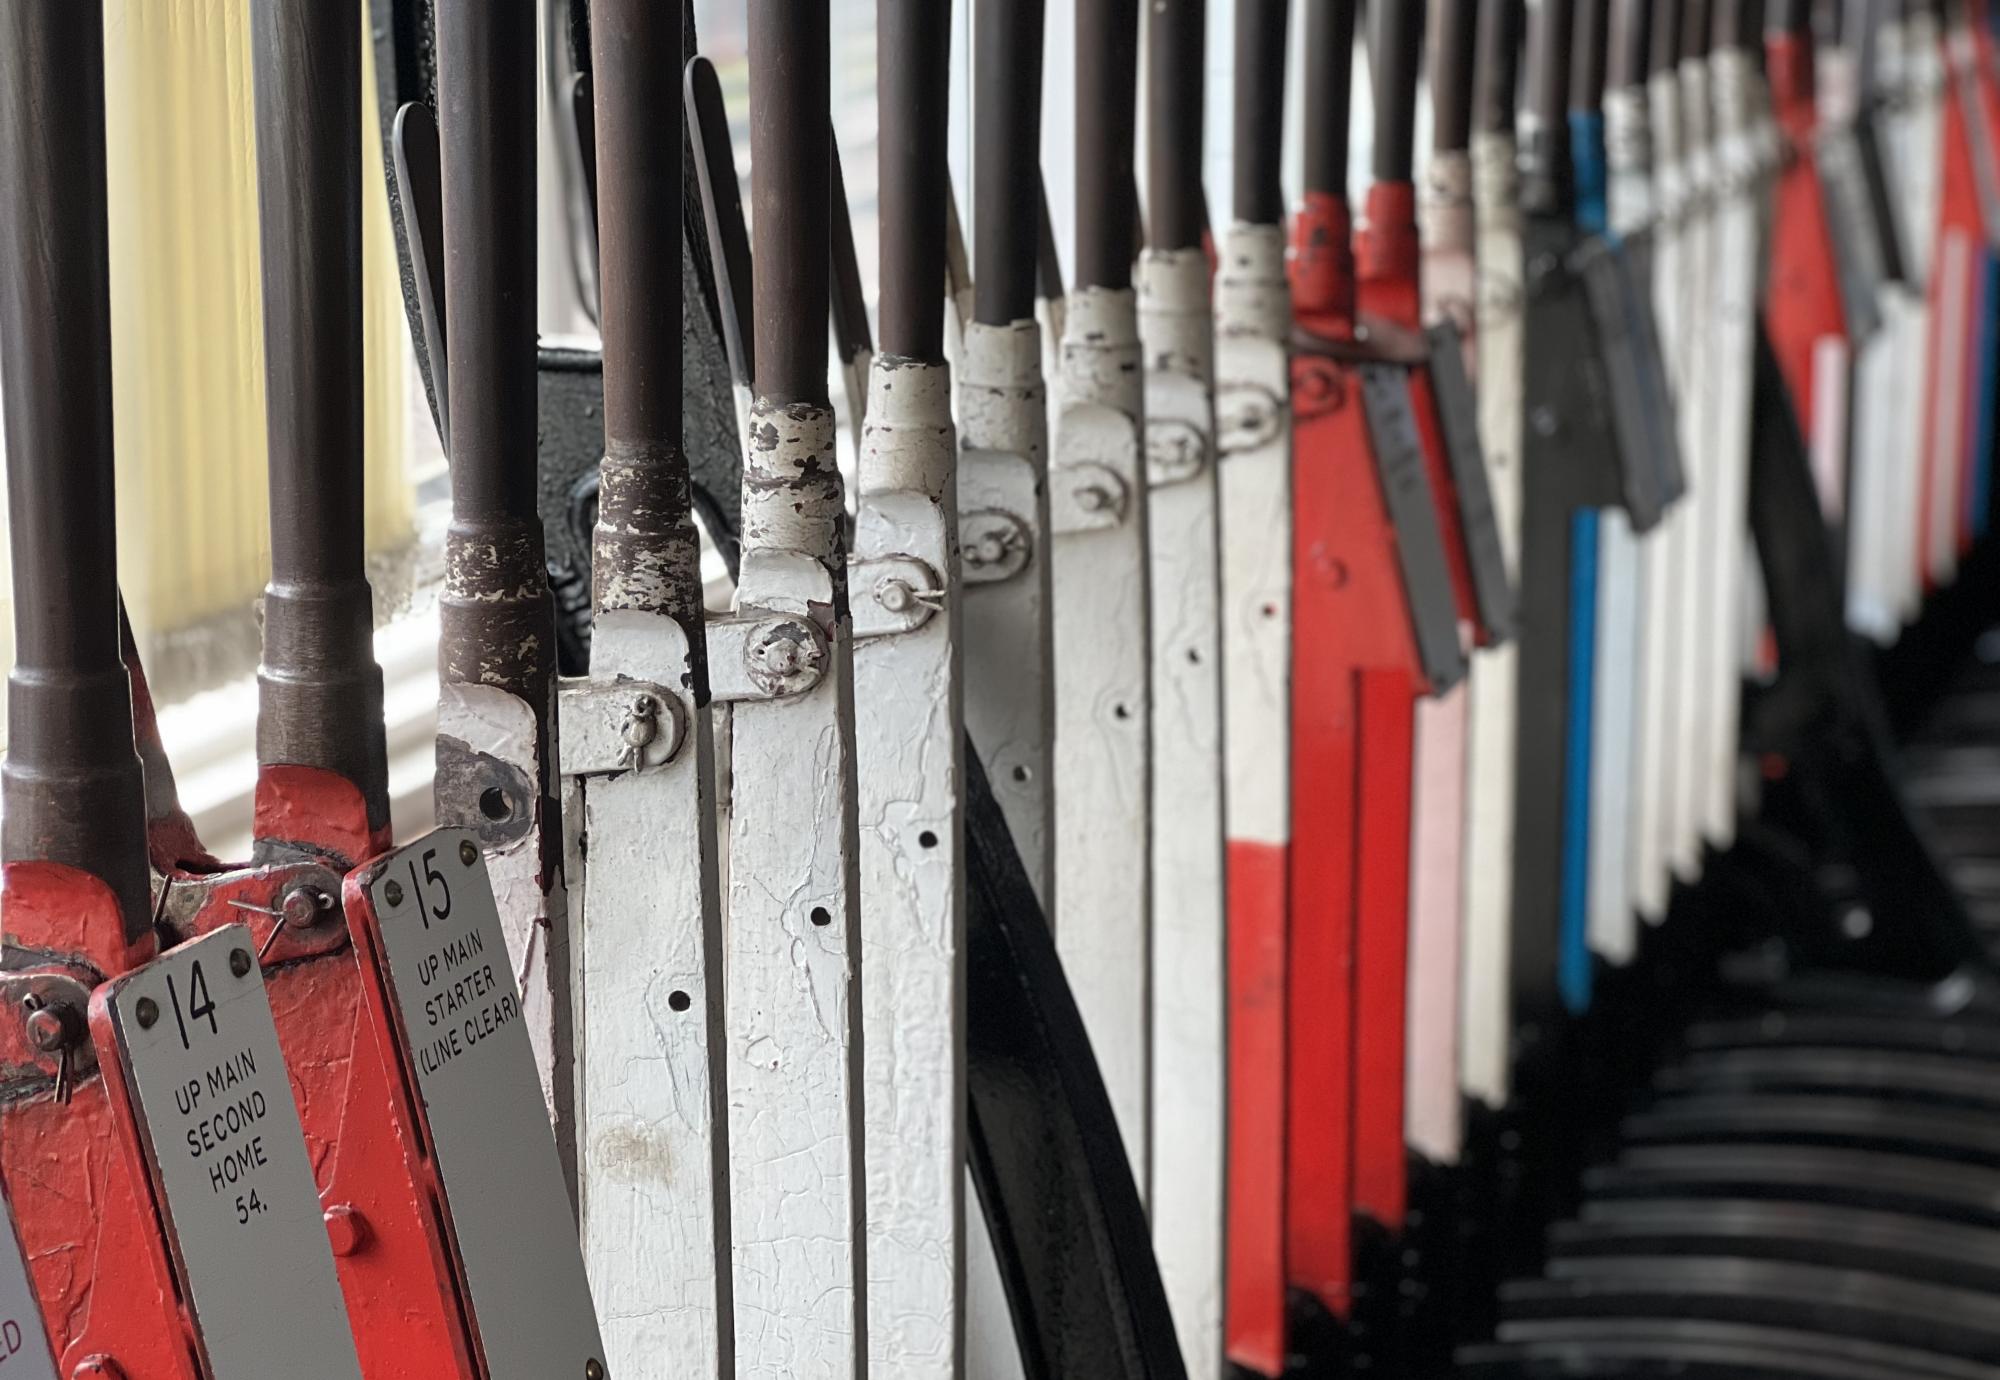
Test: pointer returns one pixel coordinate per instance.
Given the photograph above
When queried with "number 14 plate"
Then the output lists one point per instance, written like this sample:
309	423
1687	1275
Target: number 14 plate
200	1061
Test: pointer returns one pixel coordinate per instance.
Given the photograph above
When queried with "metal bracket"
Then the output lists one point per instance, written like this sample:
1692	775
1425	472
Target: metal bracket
764	657
1248	416
993	545
618	725
28	996
1085	496
892	594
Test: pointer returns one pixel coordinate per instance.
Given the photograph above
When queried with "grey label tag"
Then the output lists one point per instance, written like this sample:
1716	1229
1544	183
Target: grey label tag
1636	256
24	1343
489	1127
1458	412
1857	259
214	1102
1406	488
1618	355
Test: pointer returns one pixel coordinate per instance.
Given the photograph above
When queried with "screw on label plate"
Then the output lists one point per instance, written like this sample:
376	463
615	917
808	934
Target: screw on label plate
593	1369
346	1229
393	894
239	962
50	1028
148	1013
468	853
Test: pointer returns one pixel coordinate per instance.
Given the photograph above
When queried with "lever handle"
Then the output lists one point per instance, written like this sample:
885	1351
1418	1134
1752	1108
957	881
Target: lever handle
72	785
319	690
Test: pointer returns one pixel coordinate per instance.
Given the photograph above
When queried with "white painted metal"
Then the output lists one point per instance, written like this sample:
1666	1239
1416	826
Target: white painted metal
492	723
1662	558
908	727
1614	759
1732	341
1485	1036
229	1163
1880	461
1433	1116
1103	702
652	1150
1903	126
24	1341
1190	991
490	1139
1694	572
1008	653
1003	513
792	934
1254	435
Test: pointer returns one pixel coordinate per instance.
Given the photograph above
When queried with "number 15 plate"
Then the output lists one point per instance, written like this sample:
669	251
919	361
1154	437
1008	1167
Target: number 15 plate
445	960
209	1091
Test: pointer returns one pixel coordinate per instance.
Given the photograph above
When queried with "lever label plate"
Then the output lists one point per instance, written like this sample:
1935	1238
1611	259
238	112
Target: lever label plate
200	1059
24	1343
1458	413
446	963
1406	490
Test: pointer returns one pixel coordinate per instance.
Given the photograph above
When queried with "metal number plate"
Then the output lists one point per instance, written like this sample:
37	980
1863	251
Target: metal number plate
1850	219
1406	488
1618	356
200	1058
445	960
1458	411
1637	256
24	1343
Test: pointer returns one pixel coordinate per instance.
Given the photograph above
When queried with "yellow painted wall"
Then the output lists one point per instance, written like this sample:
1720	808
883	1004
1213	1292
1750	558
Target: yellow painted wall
188	374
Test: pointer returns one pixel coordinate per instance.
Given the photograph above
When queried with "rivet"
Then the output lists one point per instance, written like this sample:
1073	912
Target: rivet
97	1368
239	962
147	1012
467	852
593	1369
303	906
346	1229
47	1030
393	894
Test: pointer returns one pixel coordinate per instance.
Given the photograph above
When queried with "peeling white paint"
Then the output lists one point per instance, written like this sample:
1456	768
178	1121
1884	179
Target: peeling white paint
653	1159
1008	639
1254	483
908	728
489	720
1103	710
1190	955
793	943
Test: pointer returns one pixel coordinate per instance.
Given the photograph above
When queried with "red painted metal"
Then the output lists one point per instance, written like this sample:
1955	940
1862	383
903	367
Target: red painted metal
378	1188
1259	893
1388	258
1802	298
1355	677
75	1173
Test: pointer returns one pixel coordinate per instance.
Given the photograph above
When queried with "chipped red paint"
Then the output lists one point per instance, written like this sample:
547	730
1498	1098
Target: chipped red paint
1259	895
400	1283
75	1173
1351	655
319	811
